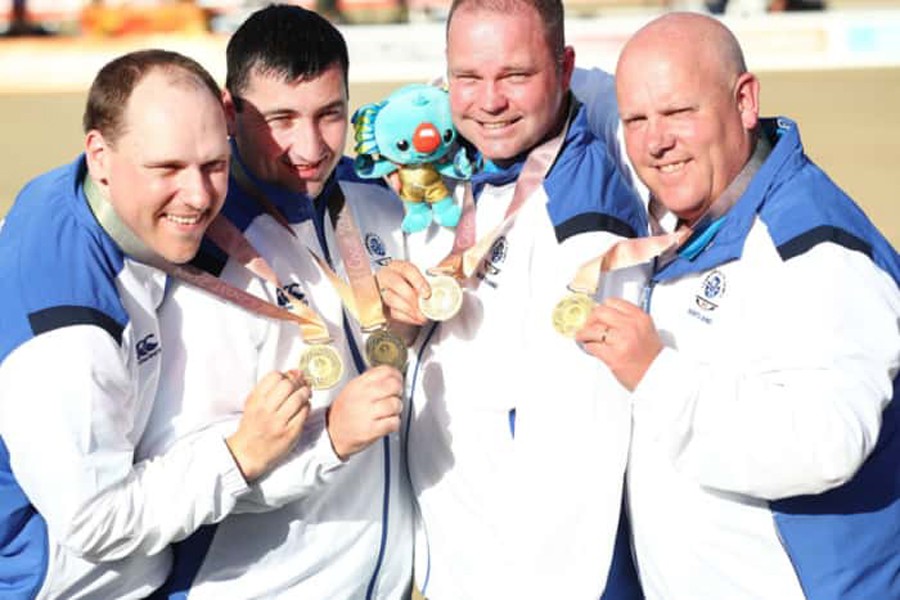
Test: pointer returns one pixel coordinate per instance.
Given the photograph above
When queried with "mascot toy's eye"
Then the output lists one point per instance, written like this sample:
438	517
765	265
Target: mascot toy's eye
409	136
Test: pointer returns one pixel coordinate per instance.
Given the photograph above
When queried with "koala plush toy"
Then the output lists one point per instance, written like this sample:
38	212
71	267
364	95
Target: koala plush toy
410	139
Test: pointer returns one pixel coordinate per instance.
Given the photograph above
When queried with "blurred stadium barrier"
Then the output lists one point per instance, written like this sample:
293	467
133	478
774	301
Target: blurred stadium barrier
122	17
409	52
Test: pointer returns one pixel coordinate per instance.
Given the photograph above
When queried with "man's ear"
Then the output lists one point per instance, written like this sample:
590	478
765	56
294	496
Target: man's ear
746	92
568	66
230	111
97	152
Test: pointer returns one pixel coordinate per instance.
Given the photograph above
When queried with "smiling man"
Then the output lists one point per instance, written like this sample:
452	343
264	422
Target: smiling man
518	439
334	520
764	362
83	256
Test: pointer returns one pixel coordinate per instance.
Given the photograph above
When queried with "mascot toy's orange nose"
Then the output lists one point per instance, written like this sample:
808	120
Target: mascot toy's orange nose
426	138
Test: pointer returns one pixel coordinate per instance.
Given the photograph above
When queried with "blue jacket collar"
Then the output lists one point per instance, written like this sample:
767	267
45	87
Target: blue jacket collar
296	207
723	239
491	174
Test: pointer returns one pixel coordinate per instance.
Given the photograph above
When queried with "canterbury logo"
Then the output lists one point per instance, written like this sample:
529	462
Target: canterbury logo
146	348
294	290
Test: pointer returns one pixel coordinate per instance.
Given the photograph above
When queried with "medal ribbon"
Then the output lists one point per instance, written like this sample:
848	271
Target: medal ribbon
631	252
360	296
467	254
230	239
133	246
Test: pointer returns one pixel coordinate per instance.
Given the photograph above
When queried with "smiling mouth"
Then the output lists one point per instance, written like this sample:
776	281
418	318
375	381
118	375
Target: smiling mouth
672	167
493	125
306	166
182	220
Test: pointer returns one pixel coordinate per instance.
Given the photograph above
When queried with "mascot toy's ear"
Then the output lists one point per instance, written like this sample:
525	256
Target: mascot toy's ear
369	162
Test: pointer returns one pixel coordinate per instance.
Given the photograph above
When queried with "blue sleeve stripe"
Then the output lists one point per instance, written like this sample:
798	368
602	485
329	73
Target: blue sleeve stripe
593	221
56	317
188	557
825	233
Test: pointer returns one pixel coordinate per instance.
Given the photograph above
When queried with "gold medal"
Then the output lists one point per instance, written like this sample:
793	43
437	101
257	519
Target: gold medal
385	348
571	313
322	366
445	300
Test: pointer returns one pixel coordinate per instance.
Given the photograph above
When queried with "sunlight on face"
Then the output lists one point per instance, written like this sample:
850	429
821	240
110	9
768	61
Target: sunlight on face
506	86
167	174
293	133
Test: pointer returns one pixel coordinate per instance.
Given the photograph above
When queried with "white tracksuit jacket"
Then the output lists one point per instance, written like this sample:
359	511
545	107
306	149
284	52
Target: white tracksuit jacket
314	527
81	356
517	438
764	458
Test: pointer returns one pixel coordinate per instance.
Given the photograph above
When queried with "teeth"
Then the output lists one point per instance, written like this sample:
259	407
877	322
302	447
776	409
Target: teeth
672	168
184	220
496	125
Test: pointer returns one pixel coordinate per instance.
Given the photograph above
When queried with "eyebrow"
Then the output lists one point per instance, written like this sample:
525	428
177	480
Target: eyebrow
287	112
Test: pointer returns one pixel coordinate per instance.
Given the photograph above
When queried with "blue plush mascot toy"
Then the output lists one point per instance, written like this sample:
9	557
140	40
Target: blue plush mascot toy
411	134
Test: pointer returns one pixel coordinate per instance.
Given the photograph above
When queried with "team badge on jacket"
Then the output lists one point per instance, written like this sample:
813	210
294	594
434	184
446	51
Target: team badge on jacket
146	348
490	267
376	249
712	289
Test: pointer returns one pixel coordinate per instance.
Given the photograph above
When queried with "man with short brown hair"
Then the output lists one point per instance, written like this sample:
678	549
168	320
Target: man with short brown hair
517	449
84	254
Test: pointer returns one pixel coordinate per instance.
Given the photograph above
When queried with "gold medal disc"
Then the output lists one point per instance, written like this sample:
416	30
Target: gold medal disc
445	300
385	348
571	313
322	366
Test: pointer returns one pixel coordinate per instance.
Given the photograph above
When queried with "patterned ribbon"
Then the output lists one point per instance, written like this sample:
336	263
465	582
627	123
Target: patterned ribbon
466	254
134	247
631	252
360	293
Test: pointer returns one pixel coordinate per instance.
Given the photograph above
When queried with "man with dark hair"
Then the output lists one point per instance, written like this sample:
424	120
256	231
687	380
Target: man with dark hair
84	254
517	439
764	360
334	520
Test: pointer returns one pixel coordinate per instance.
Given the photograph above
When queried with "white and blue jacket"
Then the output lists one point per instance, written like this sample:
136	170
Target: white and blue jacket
765	450
314	527
518	440
80	351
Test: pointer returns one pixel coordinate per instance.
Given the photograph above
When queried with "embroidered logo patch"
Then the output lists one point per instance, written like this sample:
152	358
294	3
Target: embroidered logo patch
294	290
146	348
712	289
491	266
498	251
376	249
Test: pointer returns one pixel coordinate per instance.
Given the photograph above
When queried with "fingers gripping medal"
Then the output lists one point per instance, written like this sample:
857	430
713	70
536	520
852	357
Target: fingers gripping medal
445	299
384	348
322	365
571	313
319	361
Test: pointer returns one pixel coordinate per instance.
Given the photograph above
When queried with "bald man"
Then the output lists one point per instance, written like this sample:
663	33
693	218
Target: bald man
763	365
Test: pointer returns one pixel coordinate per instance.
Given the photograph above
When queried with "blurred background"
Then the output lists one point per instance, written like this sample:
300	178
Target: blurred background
832	65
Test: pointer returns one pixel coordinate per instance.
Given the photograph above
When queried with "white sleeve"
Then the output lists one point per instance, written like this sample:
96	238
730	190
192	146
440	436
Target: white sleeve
805	413
69	415
305	469
206	401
